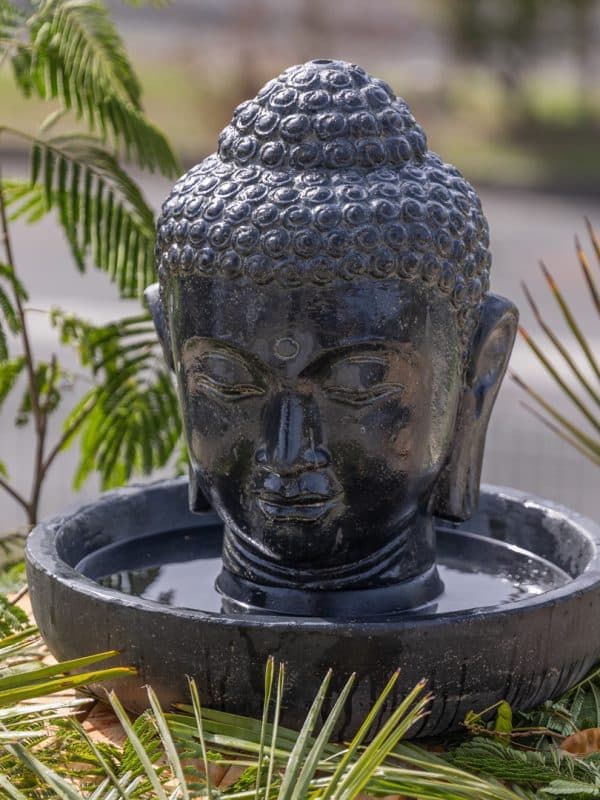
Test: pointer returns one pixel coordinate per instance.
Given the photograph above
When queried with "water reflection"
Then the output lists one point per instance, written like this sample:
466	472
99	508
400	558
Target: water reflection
179	569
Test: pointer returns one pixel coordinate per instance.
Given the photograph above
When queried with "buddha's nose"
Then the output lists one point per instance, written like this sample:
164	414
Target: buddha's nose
293	437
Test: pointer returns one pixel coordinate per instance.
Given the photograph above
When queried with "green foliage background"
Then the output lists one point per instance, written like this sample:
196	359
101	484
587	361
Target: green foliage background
69	53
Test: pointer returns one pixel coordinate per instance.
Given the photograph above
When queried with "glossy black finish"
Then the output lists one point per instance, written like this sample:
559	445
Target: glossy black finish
324	305
323	302
180	568
524	651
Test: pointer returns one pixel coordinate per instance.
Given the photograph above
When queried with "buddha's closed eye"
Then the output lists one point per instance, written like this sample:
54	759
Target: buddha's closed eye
223	376
361	379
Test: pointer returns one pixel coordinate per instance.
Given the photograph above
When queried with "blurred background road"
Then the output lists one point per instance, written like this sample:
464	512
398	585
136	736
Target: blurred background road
513	101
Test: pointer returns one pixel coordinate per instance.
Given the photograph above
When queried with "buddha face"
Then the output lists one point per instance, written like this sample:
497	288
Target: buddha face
317	418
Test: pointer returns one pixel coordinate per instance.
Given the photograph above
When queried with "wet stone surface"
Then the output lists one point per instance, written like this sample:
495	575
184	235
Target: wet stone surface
179	569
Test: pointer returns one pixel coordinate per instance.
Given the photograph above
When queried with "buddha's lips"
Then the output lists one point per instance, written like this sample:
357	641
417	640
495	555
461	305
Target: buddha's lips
303	507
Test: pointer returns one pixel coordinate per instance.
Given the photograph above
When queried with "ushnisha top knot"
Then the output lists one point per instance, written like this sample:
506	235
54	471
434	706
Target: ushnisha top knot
323	114
325	175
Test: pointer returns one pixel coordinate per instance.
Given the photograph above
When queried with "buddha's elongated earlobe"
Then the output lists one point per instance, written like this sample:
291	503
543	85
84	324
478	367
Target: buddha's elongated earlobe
457	491
197	498
157	310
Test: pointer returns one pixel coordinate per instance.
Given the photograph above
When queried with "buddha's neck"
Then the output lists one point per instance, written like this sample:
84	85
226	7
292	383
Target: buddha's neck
401	574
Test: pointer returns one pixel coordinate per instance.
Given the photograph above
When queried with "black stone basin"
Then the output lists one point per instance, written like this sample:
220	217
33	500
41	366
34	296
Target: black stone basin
519	618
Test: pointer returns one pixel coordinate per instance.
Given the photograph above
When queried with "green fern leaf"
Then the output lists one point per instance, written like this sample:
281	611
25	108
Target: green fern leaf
528	768
47	377
9	318
128	433
132	421
100	208
12	619
11	22
9	372
573	789
77	57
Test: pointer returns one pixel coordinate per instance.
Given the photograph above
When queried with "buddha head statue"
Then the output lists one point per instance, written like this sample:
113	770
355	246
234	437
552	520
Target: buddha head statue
323	300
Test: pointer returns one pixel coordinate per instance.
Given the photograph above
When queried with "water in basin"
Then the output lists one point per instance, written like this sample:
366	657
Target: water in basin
179	568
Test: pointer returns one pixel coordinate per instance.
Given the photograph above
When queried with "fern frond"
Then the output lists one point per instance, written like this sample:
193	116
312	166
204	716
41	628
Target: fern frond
100	208
9	318
13	622
47	377
131	420
92	46
9	373
12	19
78	58
520	766
133	428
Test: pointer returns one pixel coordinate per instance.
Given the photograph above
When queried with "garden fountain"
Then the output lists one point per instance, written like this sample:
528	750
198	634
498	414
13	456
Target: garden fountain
323	302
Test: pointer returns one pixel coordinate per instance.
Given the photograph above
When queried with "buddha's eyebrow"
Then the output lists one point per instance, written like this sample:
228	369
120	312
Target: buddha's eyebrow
363	351
215	347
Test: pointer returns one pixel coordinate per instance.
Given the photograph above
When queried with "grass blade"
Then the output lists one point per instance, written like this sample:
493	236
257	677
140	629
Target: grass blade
576	432
16	694
106	768
138	747
200	727
316	752
593	239
587	274
361	734
11	791
559	346
557	378
168	744
18	640
569	319
63	790
357	775
61	668
276	715
269	671
294	764
564	436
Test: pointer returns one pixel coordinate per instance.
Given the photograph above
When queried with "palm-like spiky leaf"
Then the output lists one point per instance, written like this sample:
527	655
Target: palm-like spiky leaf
24	676
302	765
75	55
160	761
585	392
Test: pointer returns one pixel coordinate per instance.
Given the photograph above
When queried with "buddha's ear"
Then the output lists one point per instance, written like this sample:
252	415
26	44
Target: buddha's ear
457	490
152	295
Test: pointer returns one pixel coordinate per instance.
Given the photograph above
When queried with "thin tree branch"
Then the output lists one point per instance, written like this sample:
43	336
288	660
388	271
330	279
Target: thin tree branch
19	595
39	471
67	433
14	494
30	364
38	414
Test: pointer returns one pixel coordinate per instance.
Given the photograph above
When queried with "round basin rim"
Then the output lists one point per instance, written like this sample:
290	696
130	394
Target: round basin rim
42	554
